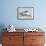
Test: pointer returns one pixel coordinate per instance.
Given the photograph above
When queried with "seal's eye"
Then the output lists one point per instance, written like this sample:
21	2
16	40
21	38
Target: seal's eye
26	11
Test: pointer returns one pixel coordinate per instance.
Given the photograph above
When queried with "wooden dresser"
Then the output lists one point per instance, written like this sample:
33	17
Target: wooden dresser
23	39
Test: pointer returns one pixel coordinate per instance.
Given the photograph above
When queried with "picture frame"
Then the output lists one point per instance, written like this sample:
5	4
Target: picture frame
25	13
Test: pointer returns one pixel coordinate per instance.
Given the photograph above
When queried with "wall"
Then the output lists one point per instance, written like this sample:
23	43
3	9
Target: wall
8	13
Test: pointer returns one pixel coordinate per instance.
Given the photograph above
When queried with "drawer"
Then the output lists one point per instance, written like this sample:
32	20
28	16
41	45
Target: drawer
37	44
13	33
13	42
34	33
27	41
12	39
27	37
37	39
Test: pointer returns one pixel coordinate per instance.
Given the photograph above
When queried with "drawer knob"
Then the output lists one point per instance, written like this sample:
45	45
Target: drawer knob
33	39
11	38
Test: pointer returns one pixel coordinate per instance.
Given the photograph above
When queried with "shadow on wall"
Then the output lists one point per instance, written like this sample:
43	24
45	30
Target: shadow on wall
2	26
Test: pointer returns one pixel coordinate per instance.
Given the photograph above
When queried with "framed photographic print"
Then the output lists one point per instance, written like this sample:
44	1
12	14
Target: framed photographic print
25	13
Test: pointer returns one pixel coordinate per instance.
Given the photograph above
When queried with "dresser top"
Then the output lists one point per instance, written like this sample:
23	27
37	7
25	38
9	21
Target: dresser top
22	30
